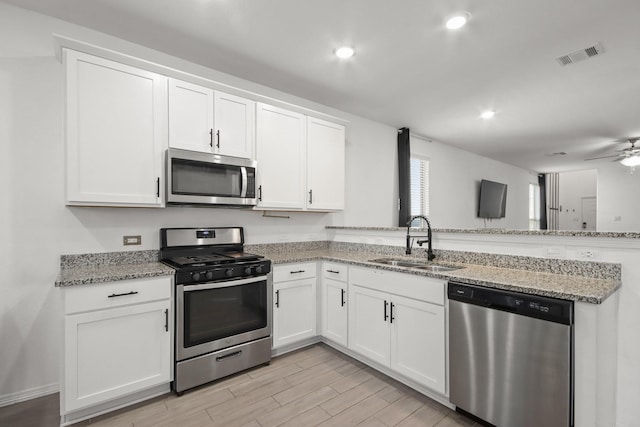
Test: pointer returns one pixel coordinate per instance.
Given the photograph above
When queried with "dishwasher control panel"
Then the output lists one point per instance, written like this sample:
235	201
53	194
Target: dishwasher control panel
545	308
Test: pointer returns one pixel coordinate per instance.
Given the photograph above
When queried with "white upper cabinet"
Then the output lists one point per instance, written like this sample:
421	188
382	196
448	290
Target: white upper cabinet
301	161
116	132
190	116
325	165
281	158
202	119
234	120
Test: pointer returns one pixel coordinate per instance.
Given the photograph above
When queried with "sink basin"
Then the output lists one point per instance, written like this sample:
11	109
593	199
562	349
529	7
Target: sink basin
438	268
397	262
435	268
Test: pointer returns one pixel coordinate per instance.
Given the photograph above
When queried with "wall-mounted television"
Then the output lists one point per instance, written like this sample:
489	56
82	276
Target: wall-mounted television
493	199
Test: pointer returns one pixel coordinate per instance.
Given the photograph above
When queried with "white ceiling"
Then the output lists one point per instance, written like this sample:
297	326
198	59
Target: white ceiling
409	71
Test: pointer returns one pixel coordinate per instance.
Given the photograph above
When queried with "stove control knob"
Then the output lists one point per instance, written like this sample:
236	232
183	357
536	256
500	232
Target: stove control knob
195	276
209	275
258	269
247	270
229	272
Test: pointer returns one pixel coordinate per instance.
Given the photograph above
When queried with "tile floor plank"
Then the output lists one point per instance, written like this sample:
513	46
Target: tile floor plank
313	386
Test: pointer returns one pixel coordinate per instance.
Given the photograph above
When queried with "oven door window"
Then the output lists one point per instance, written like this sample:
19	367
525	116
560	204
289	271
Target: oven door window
191	177
217	313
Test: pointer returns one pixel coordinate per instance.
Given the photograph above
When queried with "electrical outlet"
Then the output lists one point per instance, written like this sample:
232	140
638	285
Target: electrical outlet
587	253
556	252
131	240
617	218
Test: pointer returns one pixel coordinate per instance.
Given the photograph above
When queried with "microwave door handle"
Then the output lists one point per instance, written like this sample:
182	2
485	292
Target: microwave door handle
245	184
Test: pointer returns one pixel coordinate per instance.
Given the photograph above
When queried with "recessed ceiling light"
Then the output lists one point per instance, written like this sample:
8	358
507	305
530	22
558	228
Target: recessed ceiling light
487	114
345	52
458	20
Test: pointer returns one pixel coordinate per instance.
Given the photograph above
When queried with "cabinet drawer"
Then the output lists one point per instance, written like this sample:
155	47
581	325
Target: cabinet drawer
421	288
335	271
115	294
302	270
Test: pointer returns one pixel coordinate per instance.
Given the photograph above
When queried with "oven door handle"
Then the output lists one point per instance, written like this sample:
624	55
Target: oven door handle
225	284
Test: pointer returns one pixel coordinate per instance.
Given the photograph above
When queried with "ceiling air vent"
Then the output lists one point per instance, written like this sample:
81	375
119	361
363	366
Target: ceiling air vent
580	55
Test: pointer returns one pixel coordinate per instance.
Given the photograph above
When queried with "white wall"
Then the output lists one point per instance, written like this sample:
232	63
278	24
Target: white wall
454	182
573	187
618	188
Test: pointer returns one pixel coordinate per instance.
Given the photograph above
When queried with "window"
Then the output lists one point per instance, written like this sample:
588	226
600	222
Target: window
534	207
419	187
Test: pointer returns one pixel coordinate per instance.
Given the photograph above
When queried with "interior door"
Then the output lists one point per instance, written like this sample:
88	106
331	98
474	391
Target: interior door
589	215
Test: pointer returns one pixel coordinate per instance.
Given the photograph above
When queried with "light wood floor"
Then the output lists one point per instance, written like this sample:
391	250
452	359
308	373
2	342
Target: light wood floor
309	387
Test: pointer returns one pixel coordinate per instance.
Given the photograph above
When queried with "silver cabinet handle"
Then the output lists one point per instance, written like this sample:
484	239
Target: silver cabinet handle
228	356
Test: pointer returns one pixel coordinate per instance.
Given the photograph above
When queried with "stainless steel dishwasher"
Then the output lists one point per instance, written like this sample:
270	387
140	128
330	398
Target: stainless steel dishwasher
511	357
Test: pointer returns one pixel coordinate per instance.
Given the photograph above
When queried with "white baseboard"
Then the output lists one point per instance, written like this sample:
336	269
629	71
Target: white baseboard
32	393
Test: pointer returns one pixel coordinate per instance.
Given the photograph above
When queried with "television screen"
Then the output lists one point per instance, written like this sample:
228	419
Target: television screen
493	199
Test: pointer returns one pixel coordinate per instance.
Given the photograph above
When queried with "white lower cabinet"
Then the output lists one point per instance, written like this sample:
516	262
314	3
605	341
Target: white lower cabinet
418	341
117	340
294	303
398	321
333	317
369	327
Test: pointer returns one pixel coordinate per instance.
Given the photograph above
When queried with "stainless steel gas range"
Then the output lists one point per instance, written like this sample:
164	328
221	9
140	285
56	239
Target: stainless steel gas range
223	304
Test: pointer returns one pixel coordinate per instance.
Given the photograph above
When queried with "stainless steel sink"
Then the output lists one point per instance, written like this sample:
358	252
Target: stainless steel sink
415	264
438	268
397	262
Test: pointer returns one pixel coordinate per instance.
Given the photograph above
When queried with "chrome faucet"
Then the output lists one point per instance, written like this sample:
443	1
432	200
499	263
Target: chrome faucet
430	254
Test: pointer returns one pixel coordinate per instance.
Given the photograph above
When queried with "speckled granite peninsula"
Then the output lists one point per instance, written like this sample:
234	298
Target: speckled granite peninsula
575	233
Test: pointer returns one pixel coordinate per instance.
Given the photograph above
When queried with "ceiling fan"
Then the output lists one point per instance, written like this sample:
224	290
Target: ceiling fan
629	156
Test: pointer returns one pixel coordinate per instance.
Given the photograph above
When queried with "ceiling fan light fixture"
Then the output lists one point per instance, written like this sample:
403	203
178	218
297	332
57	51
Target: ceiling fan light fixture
631	161
457	20
345	52
486	115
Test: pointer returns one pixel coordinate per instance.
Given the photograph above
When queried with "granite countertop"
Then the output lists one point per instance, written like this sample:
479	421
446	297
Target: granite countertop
577	281
571	287
562	233
109	267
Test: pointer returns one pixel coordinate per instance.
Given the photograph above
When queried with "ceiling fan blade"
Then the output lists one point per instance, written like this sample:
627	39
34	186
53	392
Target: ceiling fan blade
604	157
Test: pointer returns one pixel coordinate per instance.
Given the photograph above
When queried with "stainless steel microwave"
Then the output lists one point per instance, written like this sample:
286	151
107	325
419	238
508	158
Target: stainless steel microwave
196	178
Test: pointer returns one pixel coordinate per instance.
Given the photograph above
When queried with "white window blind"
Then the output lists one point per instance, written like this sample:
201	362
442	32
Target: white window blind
534	207
419	186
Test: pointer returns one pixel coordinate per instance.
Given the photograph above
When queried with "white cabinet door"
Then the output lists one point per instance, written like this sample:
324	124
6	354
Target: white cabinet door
325	165
369	327
281	158
334	305
190	116
234	119
116	132
418	341
113	352
294	311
